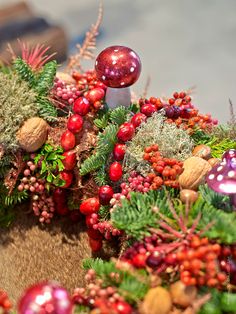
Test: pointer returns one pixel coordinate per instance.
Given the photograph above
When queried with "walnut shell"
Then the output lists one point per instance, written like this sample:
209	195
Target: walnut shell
202	151
195	170
33	134
156	301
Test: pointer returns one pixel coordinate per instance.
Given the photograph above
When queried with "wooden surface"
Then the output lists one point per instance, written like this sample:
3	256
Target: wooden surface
30	253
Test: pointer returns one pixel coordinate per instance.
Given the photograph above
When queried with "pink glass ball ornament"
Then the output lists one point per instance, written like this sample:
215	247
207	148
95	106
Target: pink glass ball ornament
45	298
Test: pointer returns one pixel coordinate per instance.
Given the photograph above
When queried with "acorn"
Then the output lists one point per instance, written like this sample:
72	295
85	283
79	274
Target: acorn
202	151
188	196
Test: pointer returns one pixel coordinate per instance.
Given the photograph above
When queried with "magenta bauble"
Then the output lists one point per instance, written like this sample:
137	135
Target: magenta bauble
45	298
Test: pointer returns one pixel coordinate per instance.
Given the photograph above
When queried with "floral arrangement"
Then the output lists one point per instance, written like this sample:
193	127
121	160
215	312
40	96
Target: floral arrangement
153	177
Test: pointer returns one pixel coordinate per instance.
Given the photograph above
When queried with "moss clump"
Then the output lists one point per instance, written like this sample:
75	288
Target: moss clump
172	141
17	104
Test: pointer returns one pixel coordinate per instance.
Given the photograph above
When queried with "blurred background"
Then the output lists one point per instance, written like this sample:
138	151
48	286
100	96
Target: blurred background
182	43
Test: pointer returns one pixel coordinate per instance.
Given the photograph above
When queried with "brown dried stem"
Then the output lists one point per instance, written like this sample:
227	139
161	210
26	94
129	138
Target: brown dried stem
86	50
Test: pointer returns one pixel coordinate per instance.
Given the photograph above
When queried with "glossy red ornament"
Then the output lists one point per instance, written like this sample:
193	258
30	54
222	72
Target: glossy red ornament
95	245
75	123
125	132
45	298
138	118
119	151
105	194
148	109
115	171
90	206
96	94
122	307
118	66
81	106
69	161
67	140
66	176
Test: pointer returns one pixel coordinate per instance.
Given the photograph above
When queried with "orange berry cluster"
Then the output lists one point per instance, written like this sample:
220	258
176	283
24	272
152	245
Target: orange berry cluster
166	170
199	264
5	303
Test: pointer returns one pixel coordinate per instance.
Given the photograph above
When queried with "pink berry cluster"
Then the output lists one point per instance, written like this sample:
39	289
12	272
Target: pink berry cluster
30	182
65	93
96	296
43	206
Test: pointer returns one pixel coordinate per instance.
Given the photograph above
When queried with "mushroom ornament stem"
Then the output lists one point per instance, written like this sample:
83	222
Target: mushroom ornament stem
222	177
118	67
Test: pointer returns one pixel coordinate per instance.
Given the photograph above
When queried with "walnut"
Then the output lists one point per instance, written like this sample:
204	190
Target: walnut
33	134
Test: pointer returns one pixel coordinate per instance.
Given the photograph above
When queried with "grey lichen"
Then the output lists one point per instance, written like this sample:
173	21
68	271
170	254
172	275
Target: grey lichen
173	142
17	104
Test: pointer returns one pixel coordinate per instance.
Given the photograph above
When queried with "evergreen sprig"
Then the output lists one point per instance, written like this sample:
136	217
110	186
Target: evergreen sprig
217	200
223	223
105	145
137	216
46	78
46	109
109	122
25	72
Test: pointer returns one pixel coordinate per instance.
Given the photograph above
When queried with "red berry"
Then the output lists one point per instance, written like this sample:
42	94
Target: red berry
59	196
69	161
94	234
67	177
75	123
115	171
95	94
95	245
90	206
125	132
81	106
105	194
119	151
148	109
88	218
139	260
137	119
122	307
67	140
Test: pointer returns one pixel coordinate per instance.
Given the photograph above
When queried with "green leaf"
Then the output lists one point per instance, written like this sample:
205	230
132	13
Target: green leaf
43	167
60	165
49	178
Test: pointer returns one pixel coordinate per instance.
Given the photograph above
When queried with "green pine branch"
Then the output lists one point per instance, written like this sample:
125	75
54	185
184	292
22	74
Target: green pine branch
119	115
24	71
223	228
217	200
46	78
105	146
46	109
137	216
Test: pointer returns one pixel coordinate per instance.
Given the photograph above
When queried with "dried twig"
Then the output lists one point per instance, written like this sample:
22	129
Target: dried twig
146	87
86	50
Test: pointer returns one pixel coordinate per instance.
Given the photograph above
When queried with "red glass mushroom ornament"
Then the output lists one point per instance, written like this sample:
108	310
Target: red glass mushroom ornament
118	67
222	177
